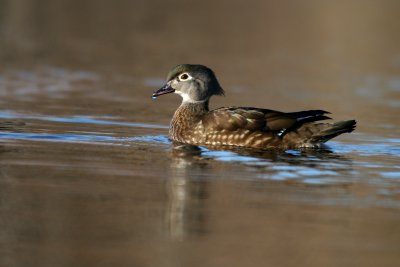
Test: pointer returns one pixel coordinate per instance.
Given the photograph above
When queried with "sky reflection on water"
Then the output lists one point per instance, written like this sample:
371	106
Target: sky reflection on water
339	163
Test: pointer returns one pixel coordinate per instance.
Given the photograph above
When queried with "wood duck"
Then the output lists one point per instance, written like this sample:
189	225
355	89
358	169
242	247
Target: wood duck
193	123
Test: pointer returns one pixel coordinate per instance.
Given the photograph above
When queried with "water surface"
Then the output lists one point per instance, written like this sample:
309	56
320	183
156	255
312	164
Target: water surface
88	176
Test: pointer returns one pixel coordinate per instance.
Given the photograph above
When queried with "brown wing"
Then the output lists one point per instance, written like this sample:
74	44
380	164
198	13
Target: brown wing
254	119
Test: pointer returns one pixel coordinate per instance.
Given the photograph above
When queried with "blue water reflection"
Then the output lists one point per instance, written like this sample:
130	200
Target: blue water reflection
341	163
105	120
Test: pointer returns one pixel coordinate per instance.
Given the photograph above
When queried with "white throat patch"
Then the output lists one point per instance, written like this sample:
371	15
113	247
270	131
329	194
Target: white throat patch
186	98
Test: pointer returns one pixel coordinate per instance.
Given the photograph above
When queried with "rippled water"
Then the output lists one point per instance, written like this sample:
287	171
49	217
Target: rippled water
88	176
125	179
338	163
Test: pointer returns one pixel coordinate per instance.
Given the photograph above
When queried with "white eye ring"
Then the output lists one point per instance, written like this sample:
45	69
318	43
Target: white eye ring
184	76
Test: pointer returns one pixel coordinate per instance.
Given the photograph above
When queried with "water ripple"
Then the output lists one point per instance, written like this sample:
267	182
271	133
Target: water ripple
81	138
79	119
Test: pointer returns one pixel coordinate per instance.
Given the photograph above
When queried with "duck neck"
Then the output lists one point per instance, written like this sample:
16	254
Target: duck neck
197	107
186	117
189	112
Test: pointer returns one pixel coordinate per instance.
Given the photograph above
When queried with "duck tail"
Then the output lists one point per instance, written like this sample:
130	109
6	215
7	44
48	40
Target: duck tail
312	134
331	130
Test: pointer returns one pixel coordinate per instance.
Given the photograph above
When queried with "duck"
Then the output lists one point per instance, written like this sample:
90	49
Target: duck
193	123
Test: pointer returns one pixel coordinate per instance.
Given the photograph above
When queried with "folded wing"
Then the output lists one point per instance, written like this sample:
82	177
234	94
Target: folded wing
264	120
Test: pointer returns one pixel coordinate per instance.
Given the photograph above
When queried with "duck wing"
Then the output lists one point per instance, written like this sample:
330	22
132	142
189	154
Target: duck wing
256	119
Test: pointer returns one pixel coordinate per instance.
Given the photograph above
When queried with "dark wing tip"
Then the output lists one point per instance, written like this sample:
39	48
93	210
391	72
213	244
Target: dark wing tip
310	115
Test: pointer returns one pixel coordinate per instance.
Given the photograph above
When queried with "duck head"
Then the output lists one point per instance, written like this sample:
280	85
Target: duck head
194	83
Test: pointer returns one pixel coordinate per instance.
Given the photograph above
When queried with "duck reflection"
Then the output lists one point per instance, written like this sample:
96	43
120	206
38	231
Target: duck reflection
300	157
187	192
194	170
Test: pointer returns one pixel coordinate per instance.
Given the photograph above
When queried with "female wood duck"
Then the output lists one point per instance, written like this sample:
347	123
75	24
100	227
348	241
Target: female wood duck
193	122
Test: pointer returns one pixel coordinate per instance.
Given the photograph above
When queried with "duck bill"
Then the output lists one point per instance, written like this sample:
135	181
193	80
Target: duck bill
166	89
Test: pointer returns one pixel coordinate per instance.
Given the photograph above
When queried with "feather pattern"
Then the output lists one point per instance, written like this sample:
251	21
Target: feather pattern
252	127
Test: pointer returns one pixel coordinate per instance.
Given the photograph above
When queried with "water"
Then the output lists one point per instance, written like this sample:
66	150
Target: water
88	176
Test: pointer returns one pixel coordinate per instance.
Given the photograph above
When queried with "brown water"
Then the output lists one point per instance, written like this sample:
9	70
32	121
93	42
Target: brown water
88	176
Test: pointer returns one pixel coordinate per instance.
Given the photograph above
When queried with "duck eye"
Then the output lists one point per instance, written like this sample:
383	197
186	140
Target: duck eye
183	77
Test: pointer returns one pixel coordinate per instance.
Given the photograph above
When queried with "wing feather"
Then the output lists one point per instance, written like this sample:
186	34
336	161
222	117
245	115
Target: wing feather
254	119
